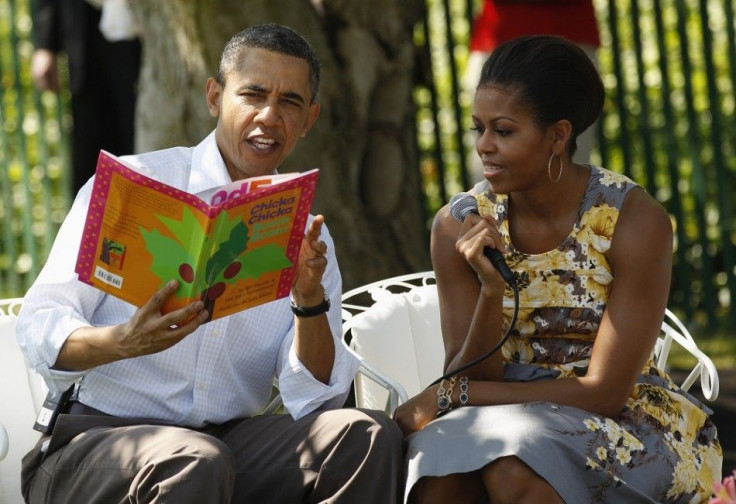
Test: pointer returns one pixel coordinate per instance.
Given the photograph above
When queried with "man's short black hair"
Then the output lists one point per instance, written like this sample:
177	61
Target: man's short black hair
272	37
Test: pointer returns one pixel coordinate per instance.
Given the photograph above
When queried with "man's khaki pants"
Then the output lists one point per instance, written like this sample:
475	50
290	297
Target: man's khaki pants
345	455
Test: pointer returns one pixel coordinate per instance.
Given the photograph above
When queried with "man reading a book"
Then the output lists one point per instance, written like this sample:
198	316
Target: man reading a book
163	407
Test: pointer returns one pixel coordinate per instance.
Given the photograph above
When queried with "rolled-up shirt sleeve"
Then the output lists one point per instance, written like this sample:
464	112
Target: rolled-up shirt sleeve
57	304
301	392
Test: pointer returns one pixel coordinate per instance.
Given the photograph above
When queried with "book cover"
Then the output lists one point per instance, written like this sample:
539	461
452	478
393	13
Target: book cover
234	247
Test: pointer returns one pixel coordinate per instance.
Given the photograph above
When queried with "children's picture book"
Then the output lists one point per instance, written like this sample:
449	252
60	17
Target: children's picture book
233	247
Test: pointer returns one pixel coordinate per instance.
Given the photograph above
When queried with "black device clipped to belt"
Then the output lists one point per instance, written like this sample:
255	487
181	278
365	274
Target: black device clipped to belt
53	405
461	205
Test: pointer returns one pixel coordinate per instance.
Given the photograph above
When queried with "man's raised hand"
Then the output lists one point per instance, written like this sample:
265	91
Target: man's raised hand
307	288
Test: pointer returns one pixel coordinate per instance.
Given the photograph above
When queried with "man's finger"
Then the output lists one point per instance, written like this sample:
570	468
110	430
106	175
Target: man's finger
193	324
315	228
319	248
157	300
185	315
319	262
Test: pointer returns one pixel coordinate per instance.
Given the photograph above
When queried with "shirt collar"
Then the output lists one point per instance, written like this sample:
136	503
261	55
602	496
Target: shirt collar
208	168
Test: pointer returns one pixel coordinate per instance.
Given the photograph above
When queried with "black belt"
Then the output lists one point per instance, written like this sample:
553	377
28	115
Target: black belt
77	408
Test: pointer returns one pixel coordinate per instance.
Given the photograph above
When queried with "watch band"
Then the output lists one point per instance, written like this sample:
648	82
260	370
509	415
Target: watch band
311	311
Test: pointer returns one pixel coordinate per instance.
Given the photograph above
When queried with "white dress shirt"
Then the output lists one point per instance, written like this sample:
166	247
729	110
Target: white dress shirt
223	370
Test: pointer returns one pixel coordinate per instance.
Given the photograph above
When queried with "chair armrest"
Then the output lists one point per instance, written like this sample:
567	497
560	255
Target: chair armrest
675	330
396	393
705	369
273	407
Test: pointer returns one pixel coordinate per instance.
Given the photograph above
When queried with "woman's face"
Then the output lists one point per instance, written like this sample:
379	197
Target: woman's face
514	150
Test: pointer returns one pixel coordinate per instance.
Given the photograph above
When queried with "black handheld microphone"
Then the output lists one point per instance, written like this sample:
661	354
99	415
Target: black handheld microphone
463	204
460	206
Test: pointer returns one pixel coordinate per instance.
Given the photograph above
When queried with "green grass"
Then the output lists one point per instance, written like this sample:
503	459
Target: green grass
720	347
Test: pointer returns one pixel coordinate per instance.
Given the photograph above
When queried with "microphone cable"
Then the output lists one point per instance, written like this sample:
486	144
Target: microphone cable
495	348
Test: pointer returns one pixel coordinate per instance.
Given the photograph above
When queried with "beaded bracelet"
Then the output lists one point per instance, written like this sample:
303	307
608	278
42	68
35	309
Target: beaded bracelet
464	391
444	396
441	391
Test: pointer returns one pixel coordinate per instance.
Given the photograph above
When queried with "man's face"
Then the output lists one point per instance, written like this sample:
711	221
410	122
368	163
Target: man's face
262	111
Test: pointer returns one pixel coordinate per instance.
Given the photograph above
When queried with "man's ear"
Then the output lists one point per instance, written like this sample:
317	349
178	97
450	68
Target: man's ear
213	94
312	115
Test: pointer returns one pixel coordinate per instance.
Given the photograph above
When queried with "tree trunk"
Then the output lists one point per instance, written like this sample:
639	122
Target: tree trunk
364	141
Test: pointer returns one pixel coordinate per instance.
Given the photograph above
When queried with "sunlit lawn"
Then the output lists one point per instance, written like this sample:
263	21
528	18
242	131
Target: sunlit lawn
720	347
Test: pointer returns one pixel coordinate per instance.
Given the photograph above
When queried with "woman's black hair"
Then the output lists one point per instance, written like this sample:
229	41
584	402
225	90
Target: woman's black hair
552	77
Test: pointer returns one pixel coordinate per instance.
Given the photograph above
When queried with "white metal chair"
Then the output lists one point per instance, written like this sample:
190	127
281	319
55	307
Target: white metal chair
21	395
393	325
673	330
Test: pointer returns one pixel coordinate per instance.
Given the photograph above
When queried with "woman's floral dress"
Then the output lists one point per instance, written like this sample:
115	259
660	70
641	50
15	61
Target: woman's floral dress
663	446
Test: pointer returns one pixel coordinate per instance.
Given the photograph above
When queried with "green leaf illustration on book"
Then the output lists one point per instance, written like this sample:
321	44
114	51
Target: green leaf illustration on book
169	258
205	263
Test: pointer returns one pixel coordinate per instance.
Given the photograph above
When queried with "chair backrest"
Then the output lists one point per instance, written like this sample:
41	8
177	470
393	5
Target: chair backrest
393	326
21	395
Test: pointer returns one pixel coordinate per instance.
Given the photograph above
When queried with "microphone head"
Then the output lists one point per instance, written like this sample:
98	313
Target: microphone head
461	205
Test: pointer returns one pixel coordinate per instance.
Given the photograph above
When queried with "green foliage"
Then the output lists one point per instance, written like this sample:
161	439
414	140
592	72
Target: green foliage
719	346
34	166
666	125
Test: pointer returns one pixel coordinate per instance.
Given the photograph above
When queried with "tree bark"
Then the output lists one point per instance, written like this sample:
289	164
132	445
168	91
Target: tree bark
364	141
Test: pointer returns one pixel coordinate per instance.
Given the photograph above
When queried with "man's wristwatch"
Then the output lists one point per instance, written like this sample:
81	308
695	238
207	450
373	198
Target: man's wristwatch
311	311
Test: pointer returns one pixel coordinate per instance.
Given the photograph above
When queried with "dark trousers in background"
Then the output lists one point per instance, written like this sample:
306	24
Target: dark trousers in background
103	103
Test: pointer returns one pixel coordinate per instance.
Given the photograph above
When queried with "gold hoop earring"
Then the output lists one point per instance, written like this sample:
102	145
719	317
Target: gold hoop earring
549	169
